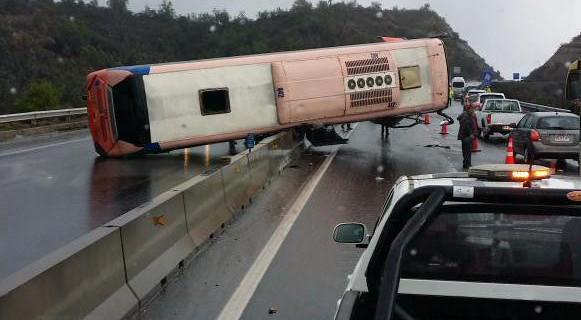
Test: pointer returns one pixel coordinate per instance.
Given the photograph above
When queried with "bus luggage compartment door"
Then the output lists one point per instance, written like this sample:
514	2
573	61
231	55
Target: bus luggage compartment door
308	90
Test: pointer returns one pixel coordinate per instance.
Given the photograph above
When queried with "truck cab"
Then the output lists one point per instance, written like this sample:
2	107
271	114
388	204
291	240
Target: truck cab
497	242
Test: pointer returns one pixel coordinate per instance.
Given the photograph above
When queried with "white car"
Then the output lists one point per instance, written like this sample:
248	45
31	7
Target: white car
471	93
458	85
498	242
476	101
498	116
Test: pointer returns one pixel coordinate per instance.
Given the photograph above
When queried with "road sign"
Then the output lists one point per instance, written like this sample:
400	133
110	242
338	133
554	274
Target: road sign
487	76
516	76
250	141
457	70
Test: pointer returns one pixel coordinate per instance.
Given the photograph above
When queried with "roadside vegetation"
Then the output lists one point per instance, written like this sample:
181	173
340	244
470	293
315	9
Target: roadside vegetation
47	47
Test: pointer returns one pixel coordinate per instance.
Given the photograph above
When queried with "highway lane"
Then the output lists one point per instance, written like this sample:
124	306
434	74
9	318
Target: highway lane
56	189
308	272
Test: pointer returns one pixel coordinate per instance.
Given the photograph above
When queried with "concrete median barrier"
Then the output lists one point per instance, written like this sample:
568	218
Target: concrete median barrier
84	279
113	271
236	177
259	162
205	205
155	241
282	150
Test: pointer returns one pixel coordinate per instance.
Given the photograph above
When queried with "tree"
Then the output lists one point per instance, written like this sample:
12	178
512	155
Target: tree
302	5
118	5
166	10
39	95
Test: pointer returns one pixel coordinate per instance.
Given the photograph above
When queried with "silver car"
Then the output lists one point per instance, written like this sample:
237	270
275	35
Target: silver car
547	135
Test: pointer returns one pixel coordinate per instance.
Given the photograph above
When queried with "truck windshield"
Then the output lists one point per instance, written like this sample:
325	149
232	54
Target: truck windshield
522	247
458	84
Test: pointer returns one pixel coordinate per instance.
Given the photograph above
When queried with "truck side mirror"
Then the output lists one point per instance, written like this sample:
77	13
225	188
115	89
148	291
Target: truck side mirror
349	233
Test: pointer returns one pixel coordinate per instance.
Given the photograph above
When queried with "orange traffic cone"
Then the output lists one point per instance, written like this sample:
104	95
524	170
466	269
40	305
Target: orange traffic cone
427	118
476	145
509	152
444	126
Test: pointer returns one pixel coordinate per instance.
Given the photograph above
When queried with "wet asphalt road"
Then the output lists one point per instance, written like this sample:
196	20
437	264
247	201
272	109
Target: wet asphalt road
308	273
55	190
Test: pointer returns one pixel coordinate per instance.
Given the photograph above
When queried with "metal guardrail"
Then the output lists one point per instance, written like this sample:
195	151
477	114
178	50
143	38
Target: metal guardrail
532	107
15	117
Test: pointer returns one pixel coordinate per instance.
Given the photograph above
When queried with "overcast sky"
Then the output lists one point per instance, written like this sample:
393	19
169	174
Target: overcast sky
512	35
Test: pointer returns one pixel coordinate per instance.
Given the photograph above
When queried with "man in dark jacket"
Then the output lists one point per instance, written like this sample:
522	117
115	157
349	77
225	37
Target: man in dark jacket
466	135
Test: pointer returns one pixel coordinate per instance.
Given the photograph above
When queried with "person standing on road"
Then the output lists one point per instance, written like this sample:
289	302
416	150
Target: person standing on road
466	135
450	95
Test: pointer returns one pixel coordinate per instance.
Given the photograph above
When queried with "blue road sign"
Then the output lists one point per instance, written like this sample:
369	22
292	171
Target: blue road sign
487	76
516	76
250	141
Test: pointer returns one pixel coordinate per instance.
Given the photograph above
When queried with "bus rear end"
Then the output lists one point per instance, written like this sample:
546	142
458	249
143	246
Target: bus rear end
101	117
117	125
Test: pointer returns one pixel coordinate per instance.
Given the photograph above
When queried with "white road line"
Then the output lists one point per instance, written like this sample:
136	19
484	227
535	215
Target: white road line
239	300
42	147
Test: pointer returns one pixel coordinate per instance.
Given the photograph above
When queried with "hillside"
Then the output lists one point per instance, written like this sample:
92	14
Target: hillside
555	69
546	84
48	47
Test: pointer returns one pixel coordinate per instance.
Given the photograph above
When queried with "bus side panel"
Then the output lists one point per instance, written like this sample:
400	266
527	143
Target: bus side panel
309	89
439	72
173	102
282	97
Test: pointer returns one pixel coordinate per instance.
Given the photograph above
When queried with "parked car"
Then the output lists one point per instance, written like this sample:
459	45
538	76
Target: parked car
458	85
479	99
470	93
498	115
547	135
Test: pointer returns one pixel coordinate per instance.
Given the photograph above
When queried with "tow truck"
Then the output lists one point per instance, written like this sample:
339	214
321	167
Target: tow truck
496	242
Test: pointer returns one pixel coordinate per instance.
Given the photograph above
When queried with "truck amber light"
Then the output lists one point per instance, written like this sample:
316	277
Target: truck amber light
541	173
509	172
535	136
525	175
520	175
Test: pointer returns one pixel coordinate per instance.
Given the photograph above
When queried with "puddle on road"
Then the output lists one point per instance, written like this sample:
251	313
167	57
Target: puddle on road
436	146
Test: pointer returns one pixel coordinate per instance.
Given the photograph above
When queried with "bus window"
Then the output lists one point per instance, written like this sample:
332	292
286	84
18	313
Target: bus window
214	101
